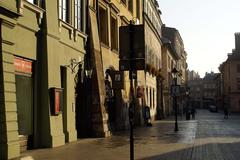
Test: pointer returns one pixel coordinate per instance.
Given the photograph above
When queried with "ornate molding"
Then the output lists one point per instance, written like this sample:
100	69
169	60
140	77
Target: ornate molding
34	8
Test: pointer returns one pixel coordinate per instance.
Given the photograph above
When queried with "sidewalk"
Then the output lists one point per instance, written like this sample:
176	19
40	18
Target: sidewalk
150	143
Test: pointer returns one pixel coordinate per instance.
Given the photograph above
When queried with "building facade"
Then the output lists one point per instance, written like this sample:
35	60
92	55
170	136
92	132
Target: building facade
195	96
205	91
209	89
39	43
230	78
113	85
153	57
173	39
169	62
193	75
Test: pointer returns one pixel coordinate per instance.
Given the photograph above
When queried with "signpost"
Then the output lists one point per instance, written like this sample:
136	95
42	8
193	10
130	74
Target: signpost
132	58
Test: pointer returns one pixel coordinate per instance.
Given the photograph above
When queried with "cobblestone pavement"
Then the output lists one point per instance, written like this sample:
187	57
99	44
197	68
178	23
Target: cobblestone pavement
209	137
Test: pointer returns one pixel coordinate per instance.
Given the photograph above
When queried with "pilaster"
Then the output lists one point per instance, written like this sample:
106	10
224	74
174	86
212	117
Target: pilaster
8	111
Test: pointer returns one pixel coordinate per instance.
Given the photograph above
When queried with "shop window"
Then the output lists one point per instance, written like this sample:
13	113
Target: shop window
79	10
114	33
64	10
130	5
103	25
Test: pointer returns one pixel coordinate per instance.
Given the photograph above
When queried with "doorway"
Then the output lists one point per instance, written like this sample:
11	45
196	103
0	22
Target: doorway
24	95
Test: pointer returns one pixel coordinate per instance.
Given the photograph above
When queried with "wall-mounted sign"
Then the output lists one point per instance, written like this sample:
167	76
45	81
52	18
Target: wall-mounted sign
117	79
22	65
175	90
56	100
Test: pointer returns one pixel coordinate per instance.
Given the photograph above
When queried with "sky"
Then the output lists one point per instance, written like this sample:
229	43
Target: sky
207	28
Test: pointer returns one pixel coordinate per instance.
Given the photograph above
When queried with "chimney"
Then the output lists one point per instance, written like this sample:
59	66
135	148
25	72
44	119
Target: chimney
237	42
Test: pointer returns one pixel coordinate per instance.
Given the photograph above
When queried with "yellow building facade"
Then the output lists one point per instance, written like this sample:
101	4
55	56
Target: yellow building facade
40	40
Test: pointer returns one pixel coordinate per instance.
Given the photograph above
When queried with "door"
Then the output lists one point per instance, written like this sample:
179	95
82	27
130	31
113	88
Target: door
24	94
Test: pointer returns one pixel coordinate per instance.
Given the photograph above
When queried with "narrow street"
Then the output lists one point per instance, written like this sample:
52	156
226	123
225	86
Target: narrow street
209	137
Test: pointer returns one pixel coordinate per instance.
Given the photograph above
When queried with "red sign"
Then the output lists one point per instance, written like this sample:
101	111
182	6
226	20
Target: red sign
57	102
22	65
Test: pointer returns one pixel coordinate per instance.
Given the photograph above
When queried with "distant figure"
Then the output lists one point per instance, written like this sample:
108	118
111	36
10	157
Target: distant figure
193	111
225	113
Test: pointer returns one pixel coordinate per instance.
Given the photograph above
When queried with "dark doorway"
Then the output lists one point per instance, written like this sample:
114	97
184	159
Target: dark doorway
63	73
110	100
24	95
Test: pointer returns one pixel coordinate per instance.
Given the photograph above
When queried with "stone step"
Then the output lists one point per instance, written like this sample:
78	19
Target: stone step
23	141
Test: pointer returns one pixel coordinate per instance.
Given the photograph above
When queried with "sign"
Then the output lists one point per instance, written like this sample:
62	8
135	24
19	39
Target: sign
131	41
22	65
117	79
56	98
175	90
138	64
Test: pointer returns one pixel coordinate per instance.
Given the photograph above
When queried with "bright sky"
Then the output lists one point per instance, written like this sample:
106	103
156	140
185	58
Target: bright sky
207	28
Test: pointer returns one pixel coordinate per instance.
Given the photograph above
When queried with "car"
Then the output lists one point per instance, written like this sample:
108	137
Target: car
213	108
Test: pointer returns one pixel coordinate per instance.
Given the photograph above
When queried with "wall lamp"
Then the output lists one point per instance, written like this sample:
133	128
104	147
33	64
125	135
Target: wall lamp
74	63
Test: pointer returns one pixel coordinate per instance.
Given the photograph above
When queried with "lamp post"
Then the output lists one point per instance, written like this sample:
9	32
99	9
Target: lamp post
175	91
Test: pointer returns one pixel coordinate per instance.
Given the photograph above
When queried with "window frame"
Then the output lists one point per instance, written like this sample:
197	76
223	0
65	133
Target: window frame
102	7
130	4
64	10
79	14
112	16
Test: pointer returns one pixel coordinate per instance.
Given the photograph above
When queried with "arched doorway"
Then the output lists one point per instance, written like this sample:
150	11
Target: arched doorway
110	98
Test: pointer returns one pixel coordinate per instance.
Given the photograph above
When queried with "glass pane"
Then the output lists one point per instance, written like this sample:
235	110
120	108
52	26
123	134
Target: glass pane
31	1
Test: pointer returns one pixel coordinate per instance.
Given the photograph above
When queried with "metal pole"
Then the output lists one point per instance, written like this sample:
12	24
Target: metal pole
132	104
175	106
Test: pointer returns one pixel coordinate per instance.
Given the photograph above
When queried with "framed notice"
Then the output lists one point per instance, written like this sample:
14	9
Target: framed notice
56	100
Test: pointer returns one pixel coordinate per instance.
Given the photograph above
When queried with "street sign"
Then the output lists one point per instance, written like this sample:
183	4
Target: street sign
175	90
138	64
117	79
131	41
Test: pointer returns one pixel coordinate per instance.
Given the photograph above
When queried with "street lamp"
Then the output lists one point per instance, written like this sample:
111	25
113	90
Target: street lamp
175	91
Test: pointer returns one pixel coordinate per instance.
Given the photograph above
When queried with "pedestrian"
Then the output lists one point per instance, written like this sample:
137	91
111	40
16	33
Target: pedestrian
226	113
193	111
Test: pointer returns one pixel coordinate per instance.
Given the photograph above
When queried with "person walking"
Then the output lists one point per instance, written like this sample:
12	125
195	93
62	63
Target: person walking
226	113
193	111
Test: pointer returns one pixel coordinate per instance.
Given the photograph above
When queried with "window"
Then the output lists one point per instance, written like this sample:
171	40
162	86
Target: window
103	25
36	2
147	94
150	98
238	83
114	33
238	68
153	98
64	10
138	9
93	4
130	5
79	14
31	1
